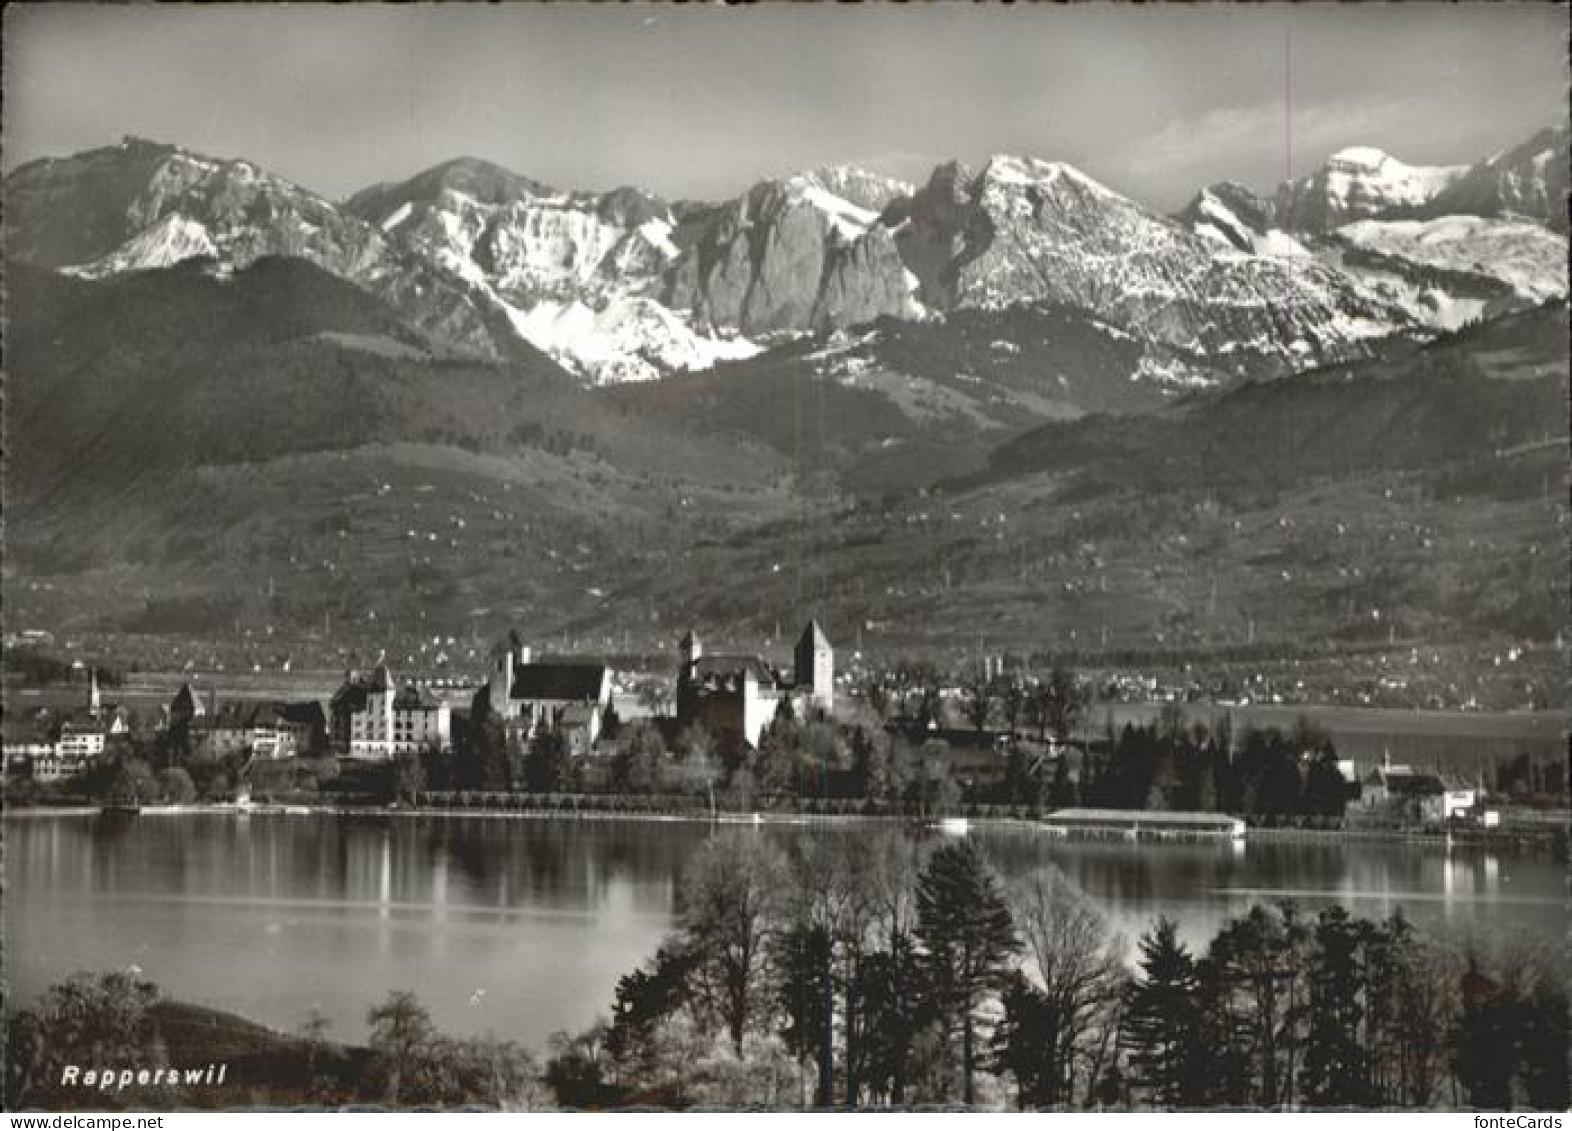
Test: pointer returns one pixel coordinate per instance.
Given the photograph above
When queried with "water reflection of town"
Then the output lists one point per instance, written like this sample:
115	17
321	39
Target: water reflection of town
490	867
397	865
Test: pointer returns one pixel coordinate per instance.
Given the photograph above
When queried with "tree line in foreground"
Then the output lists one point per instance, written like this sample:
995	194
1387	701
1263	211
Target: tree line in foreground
894	973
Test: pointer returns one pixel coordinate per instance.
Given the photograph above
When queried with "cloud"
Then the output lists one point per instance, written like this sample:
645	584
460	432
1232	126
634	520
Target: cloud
1260	144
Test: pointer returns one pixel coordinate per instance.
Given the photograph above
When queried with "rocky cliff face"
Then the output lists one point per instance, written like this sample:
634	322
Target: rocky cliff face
1022	229
1529	180
794	254
519	238
144	205
1236	219
572	272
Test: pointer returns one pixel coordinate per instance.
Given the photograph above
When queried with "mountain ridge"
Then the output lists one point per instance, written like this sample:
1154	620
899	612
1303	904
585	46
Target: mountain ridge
626	286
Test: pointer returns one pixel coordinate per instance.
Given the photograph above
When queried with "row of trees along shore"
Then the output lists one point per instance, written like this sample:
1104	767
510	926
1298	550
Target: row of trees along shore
1171	763
886	971
890	972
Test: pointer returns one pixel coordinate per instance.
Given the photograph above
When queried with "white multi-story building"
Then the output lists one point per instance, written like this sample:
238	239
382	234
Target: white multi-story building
383	721
81	739
55	764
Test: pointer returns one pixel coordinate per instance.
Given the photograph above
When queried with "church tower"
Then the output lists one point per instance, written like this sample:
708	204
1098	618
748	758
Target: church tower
814	666
505	654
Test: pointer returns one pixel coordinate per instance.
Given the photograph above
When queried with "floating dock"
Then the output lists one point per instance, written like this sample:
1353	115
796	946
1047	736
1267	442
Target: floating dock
1138	824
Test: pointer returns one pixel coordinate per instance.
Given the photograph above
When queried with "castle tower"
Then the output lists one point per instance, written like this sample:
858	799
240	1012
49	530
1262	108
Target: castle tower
814	666
185	706
691	649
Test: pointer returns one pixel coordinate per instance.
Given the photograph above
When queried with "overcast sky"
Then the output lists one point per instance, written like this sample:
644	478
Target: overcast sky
700	102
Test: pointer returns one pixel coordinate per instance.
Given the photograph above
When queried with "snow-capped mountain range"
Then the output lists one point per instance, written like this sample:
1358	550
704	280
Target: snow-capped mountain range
1445	244
624	286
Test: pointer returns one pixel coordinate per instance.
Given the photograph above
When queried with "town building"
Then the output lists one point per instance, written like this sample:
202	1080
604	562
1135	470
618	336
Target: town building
27	745
82	735
567	698
58	764
1406	794
737	695
347	702
373	719
286	730
421	721
81	739
224	732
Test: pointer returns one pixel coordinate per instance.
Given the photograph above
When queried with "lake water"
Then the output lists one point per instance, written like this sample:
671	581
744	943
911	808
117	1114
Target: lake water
522	927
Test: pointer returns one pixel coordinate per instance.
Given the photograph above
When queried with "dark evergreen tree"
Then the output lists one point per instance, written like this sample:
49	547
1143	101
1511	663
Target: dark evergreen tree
1064	793
547	764
1483	1045
1220	1053
481	760
1020	786
804	963
610	723
1337	1071
1325	791
1208	796
1025	1039
1409	1007
964	925
1263	956
1542	1039
644	999
896	1006
1160	1021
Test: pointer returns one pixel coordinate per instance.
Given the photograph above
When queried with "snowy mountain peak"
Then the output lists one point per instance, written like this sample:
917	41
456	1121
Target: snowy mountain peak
1359	182
1008	168
1361	157
862	187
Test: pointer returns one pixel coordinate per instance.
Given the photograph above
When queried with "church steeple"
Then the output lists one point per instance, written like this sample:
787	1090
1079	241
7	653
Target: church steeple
95	703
